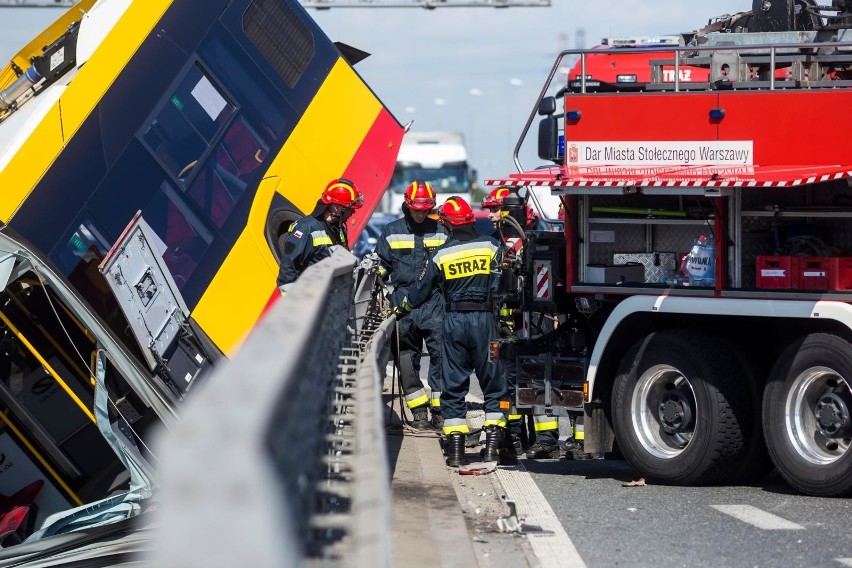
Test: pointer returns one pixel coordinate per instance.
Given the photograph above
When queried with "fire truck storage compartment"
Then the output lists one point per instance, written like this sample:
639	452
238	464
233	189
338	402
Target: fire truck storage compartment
655	231
795	238
766	229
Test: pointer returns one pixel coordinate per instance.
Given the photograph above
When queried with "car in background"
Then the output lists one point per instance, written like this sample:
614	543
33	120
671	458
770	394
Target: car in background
369	236
483	224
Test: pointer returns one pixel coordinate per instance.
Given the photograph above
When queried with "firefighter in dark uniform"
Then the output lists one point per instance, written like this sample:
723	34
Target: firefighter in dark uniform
313	237
403	251
467	269
546	426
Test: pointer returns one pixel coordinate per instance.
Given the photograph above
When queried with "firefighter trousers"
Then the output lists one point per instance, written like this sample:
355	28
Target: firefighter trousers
466	343
423	324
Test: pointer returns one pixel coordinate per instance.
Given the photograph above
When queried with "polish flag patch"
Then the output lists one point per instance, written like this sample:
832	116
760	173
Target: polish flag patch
297	234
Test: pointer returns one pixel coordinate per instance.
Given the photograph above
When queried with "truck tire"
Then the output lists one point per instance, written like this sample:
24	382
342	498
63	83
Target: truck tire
682	410
806	415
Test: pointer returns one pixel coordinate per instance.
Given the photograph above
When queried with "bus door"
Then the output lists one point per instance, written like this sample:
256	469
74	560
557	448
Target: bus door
47	425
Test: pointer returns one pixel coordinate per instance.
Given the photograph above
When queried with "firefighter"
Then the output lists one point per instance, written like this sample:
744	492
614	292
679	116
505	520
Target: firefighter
467	269
494	203
313	237
516	427
403	251
546	426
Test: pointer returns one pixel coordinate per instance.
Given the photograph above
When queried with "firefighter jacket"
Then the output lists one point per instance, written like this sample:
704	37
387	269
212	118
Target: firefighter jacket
467	271
310	241
404	248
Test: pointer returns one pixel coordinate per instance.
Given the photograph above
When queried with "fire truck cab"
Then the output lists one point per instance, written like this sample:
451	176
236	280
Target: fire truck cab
702	287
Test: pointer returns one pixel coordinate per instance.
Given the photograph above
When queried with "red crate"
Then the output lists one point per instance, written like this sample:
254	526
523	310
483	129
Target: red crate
811	272
775	271
840	273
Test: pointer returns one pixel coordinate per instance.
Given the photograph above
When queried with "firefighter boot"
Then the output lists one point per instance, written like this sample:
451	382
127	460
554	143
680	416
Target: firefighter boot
541	451
455	449
517	435
493	443
437	422
420	422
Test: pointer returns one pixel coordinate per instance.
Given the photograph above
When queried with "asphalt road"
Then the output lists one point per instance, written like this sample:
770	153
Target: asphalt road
765	525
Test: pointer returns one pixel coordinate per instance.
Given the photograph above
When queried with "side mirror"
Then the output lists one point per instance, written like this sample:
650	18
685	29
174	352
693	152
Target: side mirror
548	139
547	106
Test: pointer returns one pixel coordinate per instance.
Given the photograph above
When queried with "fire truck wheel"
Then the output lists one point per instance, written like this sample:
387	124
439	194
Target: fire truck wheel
806	415
681	409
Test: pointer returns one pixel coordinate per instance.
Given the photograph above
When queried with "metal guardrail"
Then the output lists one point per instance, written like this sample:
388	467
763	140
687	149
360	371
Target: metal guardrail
280	458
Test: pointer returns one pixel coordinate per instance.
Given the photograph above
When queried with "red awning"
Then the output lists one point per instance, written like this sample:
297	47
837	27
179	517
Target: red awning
679	176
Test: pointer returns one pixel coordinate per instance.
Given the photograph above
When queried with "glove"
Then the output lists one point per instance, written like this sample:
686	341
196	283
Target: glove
402	310
506	320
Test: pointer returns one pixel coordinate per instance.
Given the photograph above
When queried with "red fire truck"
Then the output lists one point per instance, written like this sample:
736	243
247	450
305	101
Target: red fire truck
702	286
615	66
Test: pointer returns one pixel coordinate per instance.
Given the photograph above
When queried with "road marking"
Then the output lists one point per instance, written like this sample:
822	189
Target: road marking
844	561
758	518
549	541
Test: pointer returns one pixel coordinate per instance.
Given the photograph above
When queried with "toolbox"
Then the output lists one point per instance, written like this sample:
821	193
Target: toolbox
804	272
840	273
775	272
658	265
811	272
615	273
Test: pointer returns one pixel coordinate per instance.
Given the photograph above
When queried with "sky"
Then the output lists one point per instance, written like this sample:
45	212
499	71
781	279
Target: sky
474	70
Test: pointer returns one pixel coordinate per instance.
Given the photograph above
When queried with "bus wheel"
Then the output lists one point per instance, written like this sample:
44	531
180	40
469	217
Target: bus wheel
806	415
278	224
681	409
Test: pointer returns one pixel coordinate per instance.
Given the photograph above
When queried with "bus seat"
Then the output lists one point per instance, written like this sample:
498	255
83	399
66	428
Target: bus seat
14	510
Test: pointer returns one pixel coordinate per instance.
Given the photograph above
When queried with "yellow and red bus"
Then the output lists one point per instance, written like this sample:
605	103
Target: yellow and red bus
221	121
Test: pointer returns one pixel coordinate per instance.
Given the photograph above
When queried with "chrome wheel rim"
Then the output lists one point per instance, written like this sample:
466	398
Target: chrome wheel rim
663	411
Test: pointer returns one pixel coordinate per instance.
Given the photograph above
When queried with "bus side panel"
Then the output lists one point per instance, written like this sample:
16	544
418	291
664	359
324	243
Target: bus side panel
345	131
370	167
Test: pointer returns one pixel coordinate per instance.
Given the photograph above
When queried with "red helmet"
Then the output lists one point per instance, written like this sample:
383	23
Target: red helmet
343	192
495	198
420	196
456	211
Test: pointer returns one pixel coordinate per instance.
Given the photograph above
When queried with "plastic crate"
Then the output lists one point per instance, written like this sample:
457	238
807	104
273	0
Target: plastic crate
840	273
811	272
775	272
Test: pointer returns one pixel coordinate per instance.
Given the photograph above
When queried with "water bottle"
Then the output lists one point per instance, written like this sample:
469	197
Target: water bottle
701	263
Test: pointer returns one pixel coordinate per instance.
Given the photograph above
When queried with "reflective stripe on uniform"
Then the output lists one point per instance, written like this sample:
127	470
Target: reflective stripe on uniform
494	419
320	238
455	252
400	241
434	240
436	399
543	422
579	431
505	312
465	260
456	426
417	398
515	417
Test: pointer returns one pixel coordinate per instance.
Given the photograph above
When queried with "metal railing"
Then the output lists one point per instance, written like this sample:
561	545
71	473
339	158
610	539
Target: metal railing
280	459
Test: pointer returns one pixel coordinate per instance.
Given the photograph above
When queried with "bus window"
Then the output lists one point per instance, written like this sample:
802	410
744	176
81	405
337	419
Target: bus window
188	123
222	180
185	239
